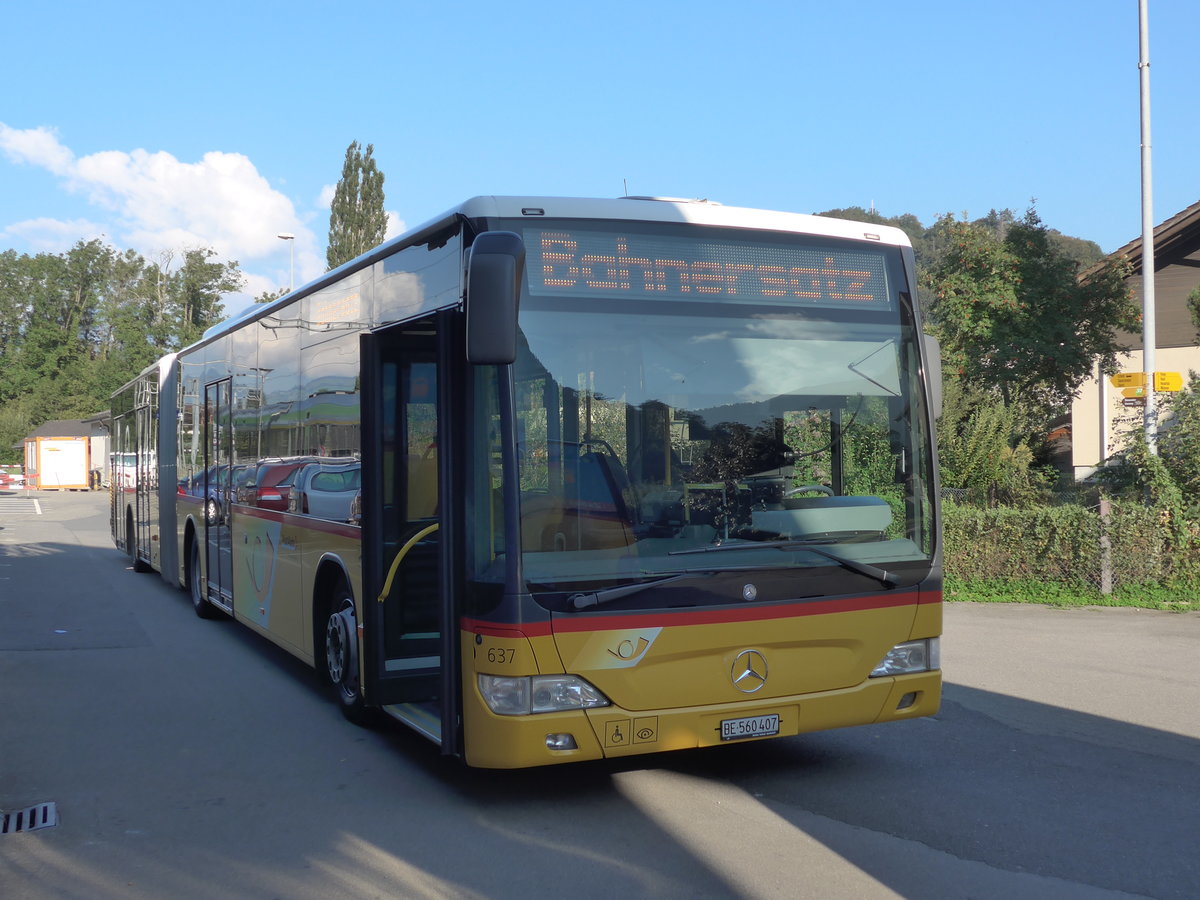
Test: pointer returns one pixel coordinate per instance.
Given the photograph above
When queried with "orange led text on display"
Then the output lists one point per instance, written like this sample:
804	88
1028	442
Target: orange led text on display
565	266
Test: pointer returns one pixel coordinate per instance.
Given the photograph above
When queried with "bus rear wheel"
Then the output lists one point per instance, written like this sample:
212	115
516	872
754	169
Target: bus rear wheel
341	657
196	587
131	544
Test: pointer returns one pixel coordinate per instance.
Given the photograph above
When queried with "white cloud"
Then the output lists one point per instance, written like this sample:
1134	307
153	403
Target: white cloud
395	226
53	235
153	202
158	202
221	201
36	146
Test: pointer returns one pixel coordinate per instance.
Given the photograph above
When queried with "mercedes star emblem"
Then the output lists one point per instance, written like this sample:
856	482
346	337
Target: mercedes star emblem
749	672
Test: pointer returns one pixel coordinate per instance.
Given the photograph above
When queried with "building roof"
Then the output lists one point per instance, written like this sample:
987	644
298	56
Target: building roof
61	428
1176	274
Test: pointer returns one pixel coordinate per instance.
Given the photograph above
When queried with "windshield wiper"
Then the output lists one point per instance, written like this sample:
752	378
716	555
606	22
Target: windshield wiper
853	367
883	576
597	598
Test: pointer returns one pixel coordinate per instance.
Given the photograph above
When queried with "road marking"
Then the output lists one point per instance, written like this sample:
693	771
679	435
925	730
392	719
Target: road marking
18	506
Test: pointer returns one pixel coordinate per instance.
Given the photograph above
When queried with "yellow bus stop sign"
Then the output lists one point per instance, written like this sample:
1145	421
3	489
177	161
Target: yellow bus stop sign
1168	381
1129	379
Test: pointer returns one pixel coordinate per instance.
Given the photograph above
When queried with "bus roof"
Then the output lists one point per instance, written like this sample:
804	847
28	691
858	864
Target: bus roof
161	365
669	209
628	209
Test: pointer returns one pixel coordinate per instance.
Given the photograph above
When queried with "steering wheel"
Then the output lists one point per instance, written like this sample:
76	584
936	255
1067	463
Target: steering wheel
804	489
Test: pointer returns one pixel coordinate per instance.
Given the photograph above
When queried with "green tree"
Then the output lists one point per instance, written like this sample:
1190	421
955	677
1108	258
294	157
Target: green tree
15	290
75	326
1179	439
984	449
1065	324
1193	305
357	220
1020	332
136	327
997	222
192	293
61	298
1013	315
270	296
918	234
970	292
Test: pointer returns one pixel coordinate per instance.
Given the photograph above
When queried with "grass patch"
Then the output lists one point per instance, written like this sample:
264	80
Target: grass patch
1049	593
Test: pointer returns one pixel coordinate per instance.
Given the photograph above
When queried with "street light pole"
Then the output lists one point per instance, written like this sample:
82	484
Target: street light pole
291	239
1149	326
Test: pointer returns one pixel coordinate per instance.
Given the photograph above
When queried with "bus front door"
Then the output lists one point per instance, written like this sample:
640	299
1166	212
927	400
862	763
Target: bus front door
402	535
216	488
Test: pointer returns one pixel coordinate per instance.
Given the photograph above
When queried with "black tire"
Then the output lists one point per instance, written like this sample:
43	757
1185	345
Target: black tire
131	544
340	666
196	587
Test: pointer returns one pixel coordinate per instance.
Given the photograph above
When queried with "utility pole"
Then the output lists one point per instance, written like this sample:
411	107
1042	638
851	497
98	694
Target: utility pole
1149	336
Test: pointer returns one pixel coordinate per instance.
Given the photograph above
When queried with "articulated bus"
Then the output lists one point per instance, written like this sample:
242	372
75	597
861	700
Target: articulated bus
560	479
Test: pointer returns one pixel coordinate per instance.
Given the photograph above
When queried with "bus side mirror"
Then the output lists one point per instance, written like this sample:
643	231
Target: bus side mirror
933	372
493	286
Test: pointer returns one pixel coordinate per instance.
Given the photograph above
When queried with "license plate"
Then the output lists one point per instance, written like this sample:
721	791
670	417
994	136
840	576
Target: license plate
750	727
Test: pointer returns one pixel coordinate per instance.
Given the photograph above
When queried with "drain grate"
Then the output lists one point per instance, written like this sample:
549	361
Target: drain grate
44	815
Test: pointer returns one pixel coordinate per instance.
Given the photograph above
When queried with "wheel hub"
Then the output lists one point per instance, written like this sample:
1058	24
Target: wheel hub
339	646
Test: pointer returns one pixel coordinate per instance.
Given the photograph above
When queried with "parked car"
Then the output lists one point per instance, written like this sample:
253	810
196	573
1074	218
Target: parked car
271	483
214	485
325	489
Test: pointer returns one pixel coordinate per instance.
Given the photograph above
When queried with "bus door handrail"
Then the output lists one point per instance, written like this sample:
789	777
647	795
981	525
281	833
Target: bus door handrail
400	554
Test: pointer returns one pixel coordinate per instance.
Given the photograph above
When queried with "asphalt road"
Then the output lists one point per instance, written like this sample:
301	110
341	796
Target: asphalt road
191	759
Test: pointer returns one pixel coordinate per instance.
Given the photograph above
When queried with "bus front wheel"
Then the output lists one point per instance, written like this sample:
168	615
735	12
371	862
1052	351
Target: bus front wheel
341	657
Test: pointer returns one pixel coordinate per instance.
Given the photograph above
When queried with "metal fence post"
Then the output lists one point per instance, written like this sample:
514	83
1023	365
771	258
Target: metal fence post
1106	572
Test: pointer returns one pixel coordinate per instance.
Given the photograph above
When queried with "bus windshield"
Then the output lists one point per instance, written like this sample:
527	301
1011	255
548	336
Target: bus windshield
657	426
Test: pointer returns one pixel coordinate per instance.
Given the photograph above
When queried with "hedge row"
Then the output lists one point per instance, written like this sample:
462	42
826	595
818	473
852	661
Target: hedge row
1065	545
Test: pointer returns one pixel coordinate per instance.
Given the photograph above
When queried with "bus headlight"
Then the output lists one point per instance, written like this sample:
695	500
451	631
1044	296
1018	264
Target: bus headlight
910	657
508	696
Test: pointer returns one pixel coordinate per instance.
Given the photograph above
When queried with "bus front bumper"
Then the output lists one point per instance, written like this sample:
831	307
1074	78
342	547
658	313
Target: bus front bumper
545	739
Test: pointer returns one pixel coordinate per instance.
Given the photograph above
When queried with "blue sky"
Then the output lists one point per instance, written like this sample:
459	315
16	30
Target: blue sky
167	126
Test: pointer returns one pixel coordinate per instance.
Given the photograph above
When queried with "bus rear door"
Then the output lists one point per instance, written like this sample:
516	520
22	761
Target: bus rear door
214	486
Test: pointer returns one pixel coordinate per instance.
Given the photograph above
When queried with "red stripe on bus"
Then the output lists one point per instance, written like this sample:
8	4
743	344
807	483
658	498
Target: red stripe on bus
727	616
491	629
312	523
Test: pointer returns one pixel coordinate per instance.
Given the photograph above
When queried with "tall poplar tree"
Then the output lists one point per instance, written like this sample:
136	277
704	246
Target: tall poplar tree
357	220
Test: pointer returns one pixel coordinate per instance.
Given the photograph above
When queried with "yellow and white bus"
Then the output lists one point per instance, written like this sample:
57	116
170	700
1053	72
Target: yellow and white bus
560	479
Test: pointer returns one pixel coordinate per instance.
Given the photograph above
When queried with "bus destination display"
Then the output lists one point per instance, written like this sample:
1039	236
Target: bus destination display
587	263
